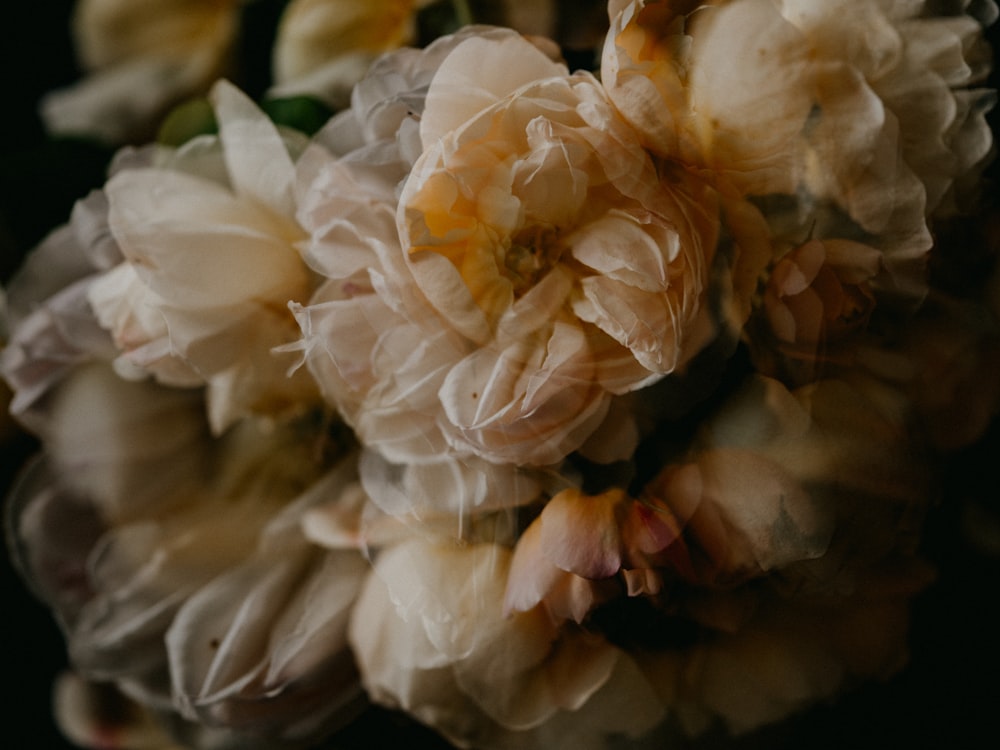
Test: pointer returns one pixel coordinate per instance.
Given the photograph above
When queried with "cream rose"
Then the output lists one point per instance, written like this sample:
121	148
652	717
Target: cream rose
540	263
210	266
430	638
542	233
861	106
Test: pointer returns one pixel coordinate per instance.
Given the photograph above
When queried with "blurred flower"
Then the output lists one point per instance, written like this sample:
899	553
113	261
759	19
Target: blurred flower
816	305
92	715
324	47
142	58
818	292
430	638
239	626
787	652
952	356
716	577
878	124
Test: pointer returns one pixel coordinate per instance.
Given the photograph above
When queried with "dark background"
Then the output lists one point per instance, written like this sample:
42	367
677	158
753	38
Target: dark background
947	697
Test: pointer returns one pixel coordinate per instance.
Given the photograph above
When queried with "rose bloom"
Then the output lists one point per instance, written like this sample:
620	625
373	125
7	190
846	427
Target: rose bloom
209	239
537	258
141	59
817	301
430	638
748	571
794	99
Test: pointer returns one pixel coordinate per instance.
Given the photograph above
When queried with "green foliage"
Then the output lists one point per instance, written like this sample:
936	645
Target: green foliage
192	118
303	113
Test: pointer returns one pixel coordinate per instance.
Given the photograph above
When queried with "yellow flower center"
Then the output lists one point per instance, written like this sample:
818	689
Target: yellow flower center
532	253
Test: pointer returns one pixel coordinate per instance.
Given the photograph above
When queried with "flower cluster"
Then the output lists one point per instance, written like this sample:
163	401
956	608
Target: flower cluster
552	407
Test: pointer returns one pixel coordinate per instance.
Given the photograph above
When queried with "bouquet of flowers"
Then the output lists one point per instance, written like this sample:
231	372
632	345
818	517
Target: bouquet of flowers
560	375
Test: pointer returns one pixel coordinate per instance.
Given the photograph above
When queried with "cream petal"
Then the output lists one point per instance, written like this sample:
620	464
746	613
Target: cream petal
531	575
345	208
579	533
449	294
761	142
248	649
195	243
45	348
450	485
496	681
622	247
101	439
649	325
260	167
476	74
516	404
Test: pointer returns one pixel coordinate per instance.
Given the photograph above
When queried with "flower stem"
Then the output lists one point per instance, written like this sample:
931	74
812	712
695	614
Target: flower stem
463	13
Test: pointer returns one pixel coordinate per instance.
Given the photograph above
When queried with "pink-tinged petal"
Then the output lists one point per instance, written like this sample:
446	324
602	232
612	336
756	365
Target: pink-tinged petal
531	576
648	528
580	533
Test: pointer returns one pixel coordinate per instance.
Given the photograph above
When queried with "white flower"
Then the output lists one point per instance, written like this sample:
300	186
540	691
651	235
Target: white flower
198	591
538	264
430	638
210	267
52	329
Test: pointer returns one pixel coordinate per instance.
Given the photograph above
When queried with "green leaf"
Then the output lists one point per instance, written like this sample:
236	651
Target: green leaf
303	113
192	118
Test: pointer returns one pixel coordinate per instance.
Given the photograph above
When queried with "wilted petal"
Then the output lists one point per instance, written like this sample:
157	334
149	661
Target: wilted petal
752	515
478	73
262	648
580	533
475	675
